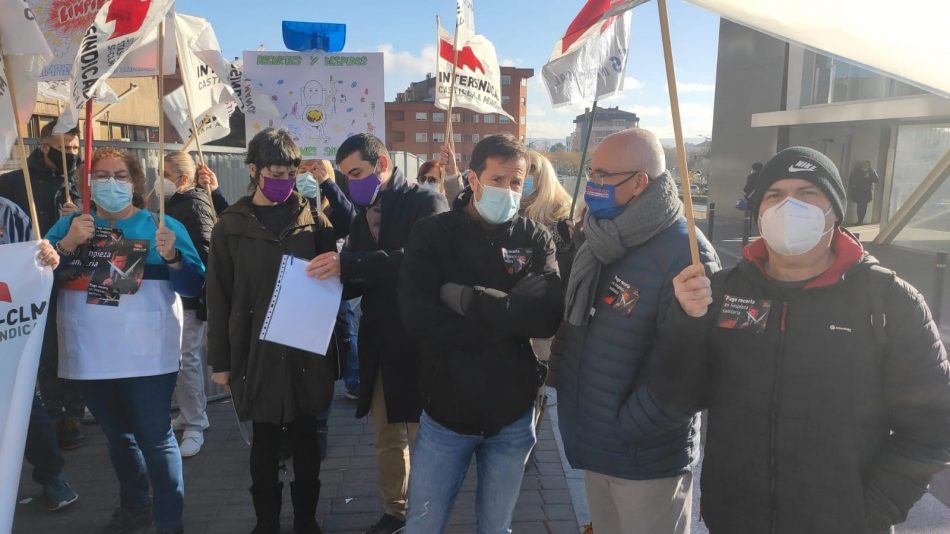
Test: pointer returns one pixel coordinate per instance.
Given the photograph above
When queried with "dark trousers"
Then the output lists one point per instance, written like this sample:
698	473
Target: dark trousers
862	210
61	396
42	448
304	445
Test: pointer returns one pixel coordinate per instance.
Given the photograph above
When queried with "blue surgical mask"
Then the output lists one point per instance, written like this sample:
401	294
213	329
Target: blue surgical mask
498	205
111	195
528	186
307	185
602	200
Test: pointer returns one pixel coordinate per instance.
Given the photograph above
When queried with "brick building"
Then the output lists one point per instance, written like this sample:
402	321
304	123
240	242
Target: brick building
606	122
415	125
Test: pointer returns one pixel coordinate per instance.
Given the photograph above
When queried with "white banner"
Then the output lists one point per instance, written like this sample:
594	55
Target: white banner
64	22
59	90
464	19
477	77
120	26
321	98
27	53
24	307
593	68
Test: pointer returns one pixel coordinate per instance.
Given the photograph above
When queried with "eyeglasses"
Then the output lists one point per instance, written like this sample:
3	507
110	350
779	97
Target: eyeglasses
103	176
428	179
598	176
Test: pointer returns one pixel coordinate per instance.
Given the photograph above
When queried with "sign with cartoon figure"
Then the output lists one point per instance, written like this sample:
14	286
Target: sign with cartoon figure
320	98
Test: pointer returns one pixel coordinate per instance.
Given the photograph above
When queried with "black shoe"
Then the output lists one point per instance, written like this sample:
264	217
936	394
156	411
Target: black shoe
388	524
129	520
69	431
305	496
267	507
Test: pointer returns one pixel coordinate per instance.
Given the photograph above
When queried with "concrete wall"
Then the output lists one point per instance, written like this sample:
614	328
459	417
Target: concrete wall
749	76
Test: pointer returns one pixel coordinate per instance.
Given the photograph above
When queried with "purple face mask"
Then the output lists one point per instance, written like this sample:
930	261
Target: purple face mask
277	190
364	191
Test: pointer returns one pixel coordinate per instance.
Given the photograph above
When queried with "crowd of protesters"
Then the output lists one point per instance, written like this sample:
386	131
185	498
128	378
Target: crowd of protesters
465	293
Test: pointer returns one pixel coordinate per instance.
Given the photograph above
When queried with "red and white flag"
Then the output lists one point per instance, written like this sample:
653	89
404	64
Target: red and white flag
120	26
589	60
23	46
477	74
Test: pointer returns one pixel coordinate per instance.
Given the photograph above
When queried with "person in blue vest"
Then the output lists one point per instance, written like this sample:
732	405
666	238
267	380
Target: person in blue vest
42	447
637	457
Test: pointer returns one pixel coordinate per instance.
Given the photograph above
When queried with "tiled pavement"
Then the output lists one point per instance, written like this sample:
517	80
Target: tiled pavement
216	482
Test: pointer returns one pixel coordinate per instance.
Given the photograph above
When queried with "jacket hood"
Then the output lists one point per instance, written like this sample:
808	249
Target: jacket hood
849	256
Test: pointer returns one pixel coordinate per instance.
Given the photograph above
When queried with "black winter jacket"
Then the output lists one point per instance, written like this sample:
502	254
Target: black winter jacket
370	269
270	383
813	425
48	193
194	209
479	373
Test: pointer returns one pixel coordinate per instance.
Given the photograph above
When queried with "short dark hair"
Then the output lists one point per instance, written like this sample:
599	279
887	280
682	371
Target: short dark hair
504	146
273	146
369	146
47	131
757	167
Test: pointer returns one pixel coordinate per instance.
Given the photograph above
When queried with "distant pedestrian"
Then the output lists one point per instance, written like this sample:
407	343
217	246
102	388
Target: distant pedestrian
861	188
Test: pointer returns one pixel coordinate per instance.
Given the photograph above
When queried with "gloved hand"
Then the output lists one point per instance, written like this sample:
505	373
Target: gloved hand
456	296
533	285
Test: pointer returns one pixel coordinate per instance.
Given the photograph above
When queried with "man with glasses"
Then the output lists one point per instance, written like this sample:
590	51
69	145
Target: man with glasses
49	180
637	456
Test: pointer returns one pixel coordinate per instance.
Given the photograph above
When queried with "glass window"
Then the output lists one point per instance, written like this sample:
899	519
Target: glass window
438	137
456	138
489	119
422	137
522	120
524	82
919	148
476	118
456	117
503	120
505	79
505	99
436	155
438	117
422	116
475	138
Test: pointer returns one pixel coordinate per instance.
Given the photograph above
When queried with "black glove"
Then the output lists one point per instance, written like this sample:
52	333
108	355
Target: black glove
533	286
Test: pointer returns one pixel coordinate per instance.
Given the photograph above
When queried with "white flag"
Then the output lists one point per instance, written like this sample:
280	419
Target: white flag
59	90
24	305
120	26
464	19
212	98
477	77
26	51
589	65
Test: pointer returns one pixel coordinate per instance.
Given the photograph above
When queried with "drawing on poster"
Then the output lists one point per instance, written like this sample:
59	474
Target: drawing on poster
321	99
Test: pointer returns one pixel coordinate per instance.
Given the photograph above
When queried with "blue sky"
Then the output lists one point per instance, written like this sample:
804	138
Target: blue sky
523	31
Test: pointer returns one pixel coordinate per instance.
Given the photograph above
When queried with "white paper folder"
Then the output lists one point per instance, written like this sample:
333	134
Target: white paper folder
303	310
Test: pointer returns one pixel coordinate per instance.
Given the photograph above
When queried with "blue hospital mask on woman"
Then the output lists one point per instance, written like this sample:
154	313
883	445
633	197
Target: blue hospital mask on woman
111	195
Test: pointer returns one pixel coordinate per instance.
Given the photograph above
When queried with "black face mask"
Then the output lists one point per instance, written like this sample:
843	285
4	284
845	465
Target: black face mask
56	156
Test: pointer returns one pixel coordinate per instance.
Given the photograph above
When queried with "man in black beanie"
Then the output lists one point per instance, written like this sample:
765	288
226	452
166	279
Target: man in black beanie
827	385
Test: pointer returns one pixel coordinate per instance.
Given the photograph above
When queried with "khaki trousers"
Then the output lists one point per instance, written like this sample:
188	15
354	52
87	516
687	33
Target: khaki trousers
392	453
620	506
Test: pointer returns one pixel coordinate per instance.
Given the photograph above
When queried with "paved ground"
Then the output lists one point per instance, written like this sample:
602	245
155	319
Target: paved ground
216	482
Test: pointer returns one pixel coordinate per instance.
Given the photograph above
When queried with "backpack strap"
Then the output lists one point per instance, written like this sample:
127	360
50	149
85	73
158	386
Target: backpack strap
880	281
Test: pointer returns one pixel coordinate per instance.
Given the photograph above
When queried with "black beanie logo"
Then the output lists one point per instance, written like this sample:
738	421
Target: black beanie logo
803	166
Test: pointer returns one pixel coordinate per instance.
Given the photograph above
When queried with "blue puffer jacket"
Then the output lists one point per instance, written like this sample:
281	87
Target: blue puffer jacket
610	424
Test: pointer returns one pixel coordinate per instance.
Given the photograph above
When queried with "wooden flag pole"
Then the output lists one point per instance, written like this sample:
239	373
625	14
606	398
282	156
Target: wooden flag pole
87	164
580	170
28	184
62	149
678	130
455	48
161	120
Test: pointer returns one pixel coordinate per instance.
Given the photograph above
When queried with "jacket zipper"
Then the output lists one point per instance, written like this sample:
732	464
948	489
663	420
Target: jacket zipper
773	424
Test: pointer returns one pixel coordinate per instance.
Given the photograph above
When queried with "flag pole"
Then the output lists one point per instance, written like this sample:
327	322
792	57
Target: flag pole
28	184
580	169
455	47
161	120
678	130
191	111
62	150
87	164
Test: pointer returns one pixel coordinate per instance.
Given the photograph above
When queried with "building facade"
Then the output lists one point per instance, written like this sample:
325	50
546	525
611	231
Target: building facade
415	125
606	121
771	95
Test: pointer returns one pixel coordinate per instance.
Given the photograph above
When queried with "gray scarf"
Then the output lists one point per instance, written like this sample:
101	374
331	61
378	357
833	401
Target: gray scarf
609	240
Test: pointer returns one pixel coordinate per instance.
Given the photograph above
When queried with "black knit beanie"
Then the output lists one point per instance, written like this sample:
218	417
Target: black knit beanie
806	164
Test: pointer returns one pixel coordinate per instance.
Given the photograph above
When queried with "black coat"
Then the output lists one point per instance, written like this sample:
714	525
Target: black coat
48	190
270	383
814	426
479	372
861	185
194	209
371	270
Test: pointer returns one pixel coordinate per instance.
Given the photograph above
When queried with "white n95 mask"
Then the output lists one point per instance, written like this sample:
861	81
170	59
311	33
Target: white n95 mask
793	227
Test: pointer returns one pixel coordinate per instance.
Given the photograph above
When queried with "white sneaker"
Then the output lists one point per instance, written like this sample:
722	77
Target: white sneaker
191	443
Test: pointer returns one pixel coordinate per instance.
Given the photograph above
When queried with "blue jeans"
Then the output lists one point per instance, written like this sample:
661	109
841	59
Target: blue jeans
440	460
42	447
134	415
351	364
